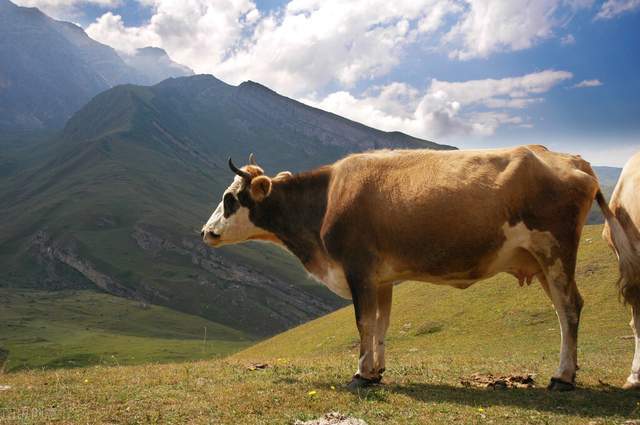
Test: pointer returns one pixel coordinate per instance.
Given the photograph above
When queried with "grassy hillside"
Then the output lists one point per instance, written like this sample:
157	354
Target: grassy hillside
81	328
437	336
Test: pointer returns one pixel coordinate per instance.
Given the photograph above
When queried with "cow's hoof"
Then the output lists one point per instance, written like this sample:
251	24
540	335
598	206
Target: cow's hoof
358	382
557	384
631	385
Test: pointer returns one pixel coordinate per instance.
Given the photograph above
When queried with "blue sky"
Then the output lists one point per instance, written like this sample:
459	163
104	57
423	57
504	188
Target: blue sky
473	73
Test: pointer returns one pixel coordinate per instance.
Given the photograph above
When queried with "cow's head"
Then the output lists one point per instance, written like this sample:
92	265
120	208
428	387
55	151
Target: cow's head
230	222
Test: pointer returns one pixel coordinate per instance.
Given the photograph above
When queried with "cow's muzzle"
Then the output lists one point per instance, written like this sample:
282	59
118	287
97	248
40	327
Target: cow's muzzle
210	238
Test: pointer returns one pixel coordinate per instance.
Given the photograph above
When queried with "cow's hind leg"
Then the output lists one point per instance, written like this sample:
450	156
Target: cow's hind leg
365	303
382	324
568	303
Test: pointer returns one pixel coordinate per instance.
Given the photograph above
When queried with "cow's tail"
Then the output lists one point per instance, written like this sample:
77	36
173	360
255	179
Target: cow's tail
628	257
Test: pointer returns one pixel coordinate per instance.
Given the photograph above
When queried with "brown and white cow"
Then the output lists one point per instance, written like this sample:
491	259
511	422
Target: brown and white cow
622	231
446	217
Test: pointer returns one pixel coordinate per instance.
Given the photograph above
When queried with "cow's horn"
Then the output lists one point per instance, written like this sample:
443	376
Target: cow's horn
238	171
252	159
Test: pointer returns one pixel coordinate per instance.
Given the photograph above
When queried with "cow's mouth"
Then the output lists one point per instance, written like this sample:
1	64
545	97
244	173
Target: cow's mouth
210	237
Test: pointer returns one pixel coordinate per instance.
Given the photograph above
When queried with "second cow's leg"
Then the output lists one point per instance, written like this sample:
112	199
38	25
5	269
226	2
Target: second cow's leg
382	324
633	381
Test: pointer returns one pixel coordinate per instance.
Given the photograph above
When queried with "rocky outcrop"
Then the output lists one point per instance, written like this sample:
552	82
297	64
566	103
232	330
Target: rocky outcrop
49	249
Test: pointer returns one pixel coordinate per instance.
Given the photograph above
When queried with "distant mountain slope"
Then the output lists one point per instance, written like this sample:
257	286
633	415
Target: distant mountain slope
49	69
154	64
118	199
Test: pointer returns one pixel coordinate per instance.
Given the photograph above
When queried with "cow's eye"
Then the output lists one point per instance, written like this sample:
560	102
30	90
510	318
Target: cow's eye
230	204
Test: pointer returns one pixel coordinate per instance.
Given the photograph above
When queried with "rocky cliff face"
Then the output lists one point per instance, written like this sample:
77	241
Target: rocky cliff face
48	250
240	286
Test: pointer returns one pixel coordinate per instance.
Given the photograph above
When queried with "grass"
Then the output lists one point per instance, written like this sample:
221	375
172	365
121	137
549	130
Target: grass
43	330
438	335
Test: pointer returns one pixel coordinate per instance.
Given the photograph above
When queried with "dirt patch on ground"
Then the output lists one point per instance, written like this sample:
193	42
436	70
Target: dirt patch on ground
257	366
502	382
332	418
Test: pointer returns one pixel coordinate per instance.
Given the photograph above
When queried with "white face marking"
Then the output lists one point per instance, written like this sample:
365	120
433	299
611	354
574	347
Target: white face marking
235	228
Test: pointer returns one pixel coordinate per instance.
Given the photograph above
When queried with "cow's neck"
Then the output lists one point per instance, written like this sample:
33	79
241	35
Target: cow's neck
294	212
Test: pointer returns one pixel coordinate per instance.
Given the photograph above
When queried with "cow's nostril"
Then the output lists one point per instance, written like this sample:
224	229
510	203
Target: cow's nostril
212	235
202	234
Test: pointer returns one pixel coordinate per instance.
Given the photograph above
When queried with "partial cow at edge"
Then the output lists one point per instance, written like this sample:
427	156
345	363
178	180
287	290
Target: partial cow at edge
622	232
446	217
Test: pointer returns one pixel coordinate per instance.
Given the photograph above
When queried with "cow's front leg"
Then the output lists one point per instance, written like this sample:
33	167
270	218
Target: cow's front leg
365	305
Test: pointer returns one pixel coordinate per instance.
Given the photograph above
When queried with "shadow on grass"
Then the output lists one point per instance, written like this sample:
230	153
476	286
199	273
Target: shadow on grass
590	401
603	401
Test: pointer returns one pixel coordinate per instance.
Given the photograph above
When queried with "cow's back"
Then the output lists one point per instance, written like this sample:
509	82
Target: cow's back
444	212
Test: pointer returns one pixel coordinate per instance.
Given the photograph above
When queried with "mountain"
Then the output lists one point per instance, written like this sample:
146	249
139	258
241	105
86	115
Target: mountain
155	65
116	200
49	69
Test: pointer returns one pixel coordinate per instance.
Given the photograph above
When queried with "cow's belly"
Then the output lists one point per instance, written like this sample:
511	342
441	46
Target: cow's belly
513	256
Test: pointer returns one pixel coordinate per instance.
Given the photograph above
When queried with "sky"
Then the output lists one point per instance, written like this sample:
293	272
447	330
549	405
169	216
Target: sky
471	73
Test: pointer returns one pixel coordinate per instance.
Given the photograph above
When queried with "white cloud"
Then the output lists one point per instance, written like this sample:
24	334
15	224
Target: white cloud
476	107
491	26
612	8
198	33
65	9
309	45
314	43
301	48
587	83
568	40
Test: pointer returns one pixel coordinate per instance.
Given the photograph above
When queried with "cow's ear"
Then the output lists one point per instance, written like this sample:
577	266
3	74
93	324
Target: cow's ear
260	188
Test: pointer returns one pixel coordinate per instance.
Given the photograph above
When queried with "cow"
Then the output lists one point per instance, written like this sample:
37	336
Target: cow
446	217
622	232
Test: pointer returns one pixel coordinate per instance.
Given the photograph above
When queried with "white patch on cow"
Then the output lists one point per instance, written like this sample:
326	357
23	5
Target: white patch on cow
516	236
335	280
332	276
538	243
236	228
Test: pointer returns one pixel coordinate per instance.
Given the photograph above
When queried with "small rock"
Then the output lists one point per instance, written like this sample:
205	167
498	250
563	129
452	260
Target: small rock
5	387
